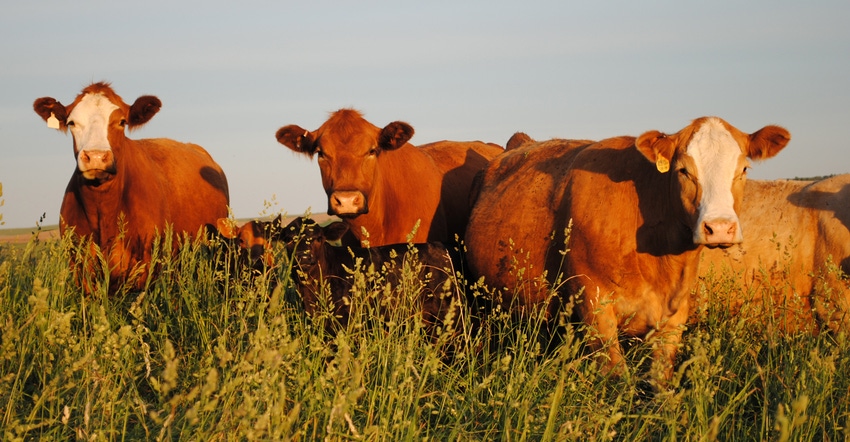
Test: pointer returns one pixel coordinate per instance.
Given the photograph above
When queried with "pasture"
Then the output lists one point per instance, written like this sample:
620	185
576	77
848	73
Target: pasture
207	353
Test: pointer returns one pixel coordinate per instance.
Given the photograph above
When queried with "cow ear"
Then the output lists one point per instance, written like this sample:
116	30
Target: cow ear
47	106
334	231
297	139
658	148
143	110
767	142
395	135
277	222
226	228
290	231
518	140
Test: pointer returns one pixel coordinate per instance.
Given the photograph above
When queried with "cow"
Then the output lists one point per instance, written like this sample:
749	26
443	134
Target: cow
253	240
797	240
376	181
322	269
637	212
124	193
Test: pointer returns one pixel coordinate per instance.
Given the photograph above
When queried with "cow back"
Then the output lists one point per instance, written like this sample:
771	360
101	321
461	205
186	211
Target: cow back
505	235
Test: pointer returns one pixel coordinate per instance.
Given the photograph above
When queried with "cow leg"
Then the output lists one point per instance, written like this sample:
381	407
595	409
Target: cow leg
601	319
666	340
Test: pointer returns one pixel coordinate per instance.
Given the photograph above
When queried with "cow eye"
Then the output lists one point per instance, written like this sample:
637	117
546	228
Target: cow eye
122	123
319	153
69	123
683	172
373	151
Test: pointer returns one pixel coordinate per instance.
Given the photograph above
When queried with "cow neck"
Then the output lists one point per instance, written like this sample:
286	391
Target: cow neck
103	201
664	230
387	206
667	253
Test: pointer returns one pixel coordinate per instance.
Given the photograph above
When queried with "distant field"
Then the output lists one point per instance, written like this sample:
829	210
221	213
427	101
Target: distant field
23	235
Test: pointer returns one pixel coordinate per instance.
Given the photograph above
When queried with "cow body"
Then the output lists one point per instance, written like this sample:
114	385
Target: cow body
794	229
640	209
376	181
124	192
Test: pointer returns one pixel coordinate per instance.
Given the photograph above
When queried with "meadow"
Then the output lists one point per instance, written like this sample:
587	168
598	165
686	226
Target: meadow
209	351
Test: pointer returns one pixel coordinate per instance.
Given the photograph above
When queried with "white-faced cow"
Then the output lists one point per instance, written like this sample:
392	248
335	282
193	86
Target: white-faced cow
375	180
798	238
124	192
641	209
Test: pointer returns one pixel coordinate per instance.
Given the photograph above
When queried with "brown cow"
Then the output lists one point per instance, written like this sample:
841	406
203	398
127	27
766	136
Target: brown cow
253	239
794	229
637	229
124	192
375	180
322	272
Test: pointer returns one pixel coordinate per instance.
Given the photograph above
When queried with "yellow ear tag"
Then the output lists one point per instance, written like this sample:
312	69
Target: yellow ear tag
662	164
52	121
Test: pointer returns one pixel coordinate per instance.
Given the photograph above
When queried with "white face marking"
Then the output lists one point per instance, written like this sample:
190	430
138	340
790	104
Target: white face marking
90	119
716	154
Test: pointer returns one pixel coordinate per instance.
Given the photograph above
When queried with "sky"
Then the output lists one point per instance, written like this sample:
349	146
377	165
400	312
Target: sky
229	74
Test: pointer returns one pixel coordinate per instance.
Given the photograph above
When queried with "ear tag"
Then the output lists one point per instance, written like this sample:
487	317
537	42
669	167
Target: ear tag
662	164
52	121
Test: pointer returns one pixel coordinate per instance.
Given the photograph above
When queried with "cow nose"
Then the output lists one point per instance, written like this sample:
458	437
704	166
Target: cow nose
348	203
95	159
720	232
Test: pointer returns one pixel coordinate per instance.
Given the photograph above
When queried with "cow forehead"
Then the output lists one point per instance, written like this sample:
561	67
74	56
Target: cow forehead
348	132
714	150
91	107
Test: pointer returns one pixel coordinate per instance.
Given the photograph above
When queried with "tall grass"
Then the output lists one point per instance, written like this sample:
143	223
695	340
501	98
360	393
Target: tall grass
210	353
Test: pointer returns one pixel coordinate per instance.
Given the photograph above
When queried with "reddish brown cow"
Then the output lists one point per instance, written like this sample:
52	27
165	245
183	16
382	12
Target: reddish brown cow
375	180
124	192
637	229
794	229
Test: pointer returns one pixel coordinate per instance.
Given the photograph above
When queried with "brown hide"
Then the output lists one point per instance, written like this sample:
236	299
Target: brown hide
152	183
793	228
319	264
377	181
632	248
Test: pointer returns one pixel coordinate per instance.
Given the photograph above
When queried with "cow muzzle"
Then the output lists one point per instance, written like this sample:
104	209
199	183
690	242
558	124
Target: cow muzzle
719	233
95	163
347	203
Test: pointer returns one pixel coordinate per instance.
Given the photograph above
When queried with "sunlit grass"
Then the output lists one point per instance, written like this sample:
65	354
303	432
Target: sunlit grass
210	352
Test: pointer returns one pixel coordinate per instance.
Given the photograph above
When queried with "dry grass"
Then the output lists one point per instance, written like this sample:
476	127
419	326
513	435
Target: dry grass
207	354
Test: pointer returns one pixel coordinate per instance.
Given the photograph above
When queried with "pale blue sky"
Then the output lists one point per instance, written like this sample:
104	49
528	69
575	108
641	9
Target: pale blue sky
230	74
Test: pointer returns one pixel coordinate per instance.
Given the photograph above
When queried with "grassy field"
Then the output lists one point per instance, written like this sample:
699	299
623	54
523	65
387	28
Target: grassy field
206	353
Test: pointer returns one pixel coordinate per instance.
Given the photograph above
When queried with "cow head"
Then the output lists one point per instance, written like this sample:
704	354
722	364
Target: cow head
97	119
348	148
709	162
305	237
254	238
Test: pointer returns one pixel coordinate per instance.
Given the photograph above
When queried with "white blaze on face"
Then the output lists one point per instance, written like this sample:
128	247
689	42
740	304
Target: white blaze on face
717	156
89	122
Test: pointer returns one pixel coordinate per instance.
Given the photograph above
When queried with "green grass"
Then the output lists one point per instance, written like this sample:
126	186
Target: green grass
203	354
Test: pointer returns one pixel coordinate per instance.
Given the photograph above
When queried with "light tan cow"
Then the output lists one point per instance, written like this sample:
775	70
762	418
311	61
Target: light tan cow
795	231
